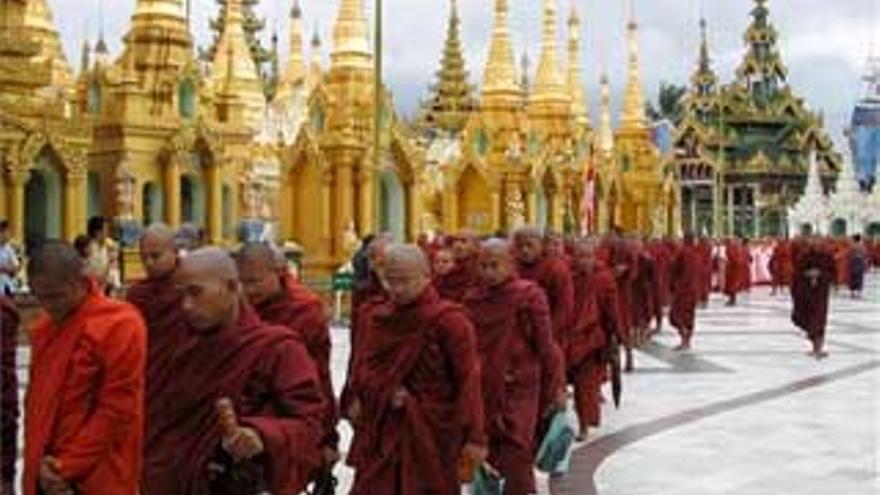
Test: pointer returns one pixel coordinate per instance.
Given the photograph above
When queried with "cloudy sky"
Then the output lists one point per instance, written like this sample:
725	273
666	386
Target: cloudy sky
824	43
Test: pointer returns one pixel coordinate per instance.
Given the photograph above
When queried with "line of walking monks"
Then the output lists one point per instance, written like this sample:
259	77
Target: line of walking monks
214	376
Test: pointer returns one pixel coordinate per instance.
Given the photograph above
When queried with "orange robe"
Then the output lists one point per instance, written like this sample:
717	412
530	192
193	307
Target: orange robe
737	271
86	397
781	264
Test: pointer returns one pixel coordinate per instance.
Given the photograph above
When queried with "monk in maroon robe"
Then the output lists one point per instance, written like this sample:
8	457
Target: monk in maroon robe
685	276
444	280
264	376
417	404
517	356
157	300
595	332
646	292
624	263
552	274
706	270
465	273
279	299
737	270
781	265
814	274
9	385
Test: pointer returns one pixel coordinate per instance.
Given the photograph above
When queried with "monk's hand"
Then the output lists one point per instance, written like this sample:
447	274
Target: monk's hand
354	411
475	454
50	479
245	443
398	400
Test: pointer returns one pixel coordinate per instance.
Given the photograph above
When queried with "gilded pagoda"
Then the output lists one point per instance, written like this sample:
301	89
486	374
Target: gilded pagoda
233	136
742	149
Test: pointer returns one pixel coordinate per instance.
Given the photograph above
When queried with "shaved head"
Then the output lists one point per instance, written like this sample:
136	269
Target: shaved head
377	253
260	269
57	279
527	232
584	255
529	245
407	273
208	281
158	250
496	262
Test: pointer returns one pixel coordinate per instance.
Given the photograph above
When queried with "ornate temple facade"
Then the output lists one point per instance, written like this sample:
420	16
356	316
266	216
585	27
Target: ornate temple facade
236	136
742	149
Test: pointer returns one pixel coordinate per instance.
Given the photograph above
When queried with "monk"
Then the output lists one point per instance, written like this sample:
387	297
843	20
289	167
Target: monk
416	402
465	274
9	383
234	365
281	300
83	412
517	356
814	268
551	273
157	300
705	270
646	305
443	279
623	262
595	332
736	276
781	266
685	276
859	263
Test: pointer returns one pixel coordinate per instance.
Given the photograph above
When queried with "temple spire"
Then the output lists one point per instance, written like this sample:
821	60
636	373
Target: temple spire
236	76
452	98
316	68
606	131
295	70
579	106
499	76
762	71
38	23
351	46
549	82
634	117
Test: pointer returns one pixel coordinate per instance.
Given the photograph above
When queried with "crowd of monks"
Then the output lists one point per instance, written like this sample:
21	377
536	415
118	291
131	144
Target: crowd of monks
213	375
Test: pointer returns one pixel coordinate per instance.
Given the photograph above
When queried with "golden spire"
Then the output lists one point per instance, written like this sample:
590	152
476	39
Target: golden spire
633	100
162	8
351	48
295	71
235	74
579	107
38	24
157	54
499	76
316	64
606	133
549	82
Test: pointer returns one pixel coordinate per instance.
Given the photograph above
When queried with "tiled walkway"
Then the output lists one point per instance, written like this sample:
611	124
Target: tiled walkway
745	413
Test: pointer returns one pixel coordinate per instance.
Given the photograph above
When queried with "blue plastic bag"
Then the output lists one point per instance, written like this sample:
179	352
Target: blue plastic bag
486	484
554	454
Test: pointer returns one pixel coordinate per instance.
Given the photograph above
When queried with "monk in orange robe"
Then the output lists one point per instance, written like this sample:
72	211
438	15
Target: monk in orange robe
685	276
594	333
417	404
280	299
737	270
551	273
9	385
85	398
517	356
781	265
262	374
814	273
841	249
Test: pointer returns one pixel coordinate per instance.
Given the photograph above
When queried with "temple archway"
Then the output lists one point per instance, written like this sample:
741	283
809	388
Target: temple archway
151	203
838	228
392	205
192	200
474	202
43	195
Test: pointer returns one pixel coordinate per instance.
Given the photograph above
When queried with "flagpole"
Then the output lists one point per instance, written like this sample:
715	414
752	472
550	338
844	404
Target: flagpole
377	110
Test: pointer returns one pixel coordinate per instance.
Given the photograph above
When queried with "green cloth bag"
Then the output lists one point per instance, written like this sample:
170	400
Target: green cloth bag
486	484
554	454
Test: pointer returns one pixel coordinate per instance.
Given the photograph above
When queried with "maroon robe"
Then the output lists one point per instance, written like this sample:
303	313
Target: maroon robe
810	296
737	271
686	286
274	387
595	324
429	349
646	305
552	274
463	277
302	311
167	335
517	356
623	263
705	270
9	382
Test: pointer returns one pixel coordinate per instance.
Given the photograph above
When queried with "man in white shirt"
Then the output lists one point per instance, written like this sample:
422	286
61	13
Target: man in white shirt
8	261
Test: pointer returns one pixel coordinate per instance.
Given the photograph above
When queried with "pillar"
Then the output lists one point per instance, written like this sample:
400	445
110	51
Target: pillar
326	243
214	213
414	209
172	192
756	211
73	205
367	199
495	221
450	209
731	212
694	224
15	206
532	206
